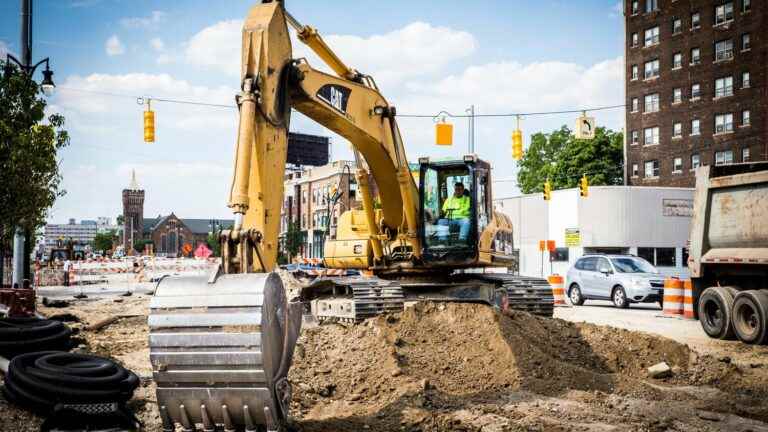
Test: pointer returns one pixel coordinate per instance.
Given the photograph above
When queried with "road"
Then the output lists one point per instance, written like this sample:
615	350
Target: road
649	318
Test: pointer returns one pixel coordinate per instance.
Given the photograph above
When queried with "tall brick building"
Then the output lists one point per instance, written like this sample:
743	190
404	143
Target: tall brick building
133	213
695	87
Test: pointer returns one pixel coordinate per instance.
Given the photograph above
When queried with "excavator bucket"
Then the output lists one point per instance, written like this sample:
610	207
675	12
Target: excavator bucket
220	351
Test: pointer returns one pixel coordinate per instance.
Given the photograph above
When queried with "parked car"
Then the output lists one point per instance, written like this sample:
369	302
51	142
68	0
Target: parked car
623	279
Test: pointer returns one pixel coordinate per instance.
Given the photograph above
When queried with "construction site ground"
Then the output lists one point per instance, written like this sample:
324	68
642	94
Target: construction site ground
465	367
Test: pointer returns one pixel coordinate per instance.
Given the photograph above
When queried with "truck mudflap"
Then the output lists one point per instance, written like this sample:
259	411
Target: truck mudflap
221	351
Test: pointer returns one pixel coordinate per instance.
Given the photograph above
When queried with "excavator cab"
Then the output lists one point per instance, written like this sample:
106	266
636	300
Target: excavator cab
454	209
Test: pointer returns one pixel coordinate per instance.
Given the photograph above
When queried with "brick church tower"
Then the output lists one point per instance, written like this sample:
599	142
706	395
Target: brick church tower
133	214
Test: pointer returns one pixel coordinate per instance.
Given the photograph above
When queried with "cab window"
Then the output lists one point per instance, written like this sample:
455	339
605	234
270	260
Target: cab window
447	207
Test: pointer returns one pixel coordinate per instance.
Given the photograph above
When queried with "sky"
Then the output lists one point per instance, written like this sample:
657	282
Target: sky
428	56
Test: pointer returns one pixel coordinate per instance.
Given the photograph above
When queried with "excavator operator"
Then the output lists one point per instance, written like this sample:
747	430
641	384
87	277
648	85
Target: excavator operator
456	212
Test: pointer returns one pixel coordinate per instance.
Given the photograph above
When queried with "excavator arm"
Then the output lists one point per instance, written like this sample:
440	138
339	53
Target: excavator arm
348	104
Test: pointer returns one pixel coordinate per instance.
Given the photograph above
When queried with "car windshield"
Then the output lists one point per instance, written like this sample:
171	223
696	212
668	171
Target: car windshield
633	265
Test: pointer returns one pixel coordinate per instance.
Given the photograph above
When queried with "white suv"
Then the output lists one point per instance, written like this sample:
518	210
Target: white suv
623	279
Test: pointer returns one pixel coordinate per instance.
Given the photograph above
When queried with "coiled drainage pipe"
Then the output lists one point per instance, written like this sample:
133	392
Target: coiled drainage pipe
72	388
23	335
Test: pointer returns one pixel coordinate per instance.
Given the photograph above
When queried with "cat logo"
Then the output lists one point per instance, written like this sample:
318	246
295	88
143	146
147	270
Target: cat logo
585	127
335	95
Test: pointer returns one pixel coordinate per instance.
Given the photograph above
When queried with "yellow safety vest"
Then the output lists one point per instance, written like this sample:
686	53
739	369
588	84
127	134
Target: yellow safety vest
456	208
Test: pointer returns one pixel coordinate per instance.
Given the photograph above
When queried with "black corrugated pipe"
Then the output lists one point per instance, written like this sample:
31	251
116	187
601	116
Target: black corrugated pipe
23	335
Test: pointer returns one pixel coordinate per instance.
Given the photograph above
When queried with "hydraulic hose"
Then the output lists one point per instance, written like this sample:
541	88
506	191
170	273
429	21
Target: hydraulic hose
85	388
23	335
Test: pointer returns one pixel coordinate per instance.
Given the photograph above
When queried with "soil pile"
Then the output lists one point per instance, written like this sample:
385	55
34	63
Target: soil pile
466	367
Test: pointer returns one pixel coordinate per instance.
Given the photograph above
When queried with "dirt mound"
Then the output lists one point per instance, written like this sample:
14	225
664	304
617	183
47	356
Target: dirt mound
466	352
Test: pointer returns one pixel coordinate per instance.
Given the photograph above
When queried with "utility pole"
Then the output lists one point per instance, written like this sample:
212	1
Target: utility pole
20	239
471	129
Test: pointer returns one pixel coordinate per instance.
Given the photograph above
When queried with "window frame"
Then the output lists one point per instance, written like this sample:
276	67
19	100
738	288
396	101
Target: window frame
635	140
748	45
727	52
724	90
695	59
655	169
677	60
695	131
746	118
725	16
725	125
695	23
655	69
695	163
677	130
724	154
654	39
695	91
677	168
746	154
654	102
654	135
677	95
677	26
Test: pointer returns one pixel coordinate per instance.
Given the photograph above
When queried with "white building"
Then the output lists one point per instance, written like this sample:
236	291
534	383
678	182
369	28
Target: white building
651	222
83	233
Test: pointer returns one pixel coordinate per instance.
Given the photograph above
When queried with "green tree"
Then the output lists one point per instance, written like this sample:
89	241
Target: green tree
120	219
139	245
103	241
213	243
29	170
563	159
293	240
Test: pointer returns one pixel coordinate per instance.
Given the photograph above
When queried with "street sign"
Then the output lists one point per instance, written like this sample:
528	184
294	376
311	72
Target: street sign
550	245
572	237
542	245
585	127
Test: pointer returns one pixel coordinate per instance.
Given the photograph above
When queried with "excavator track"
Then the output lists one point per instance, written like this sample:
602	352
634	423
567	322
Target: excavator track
528	294
220	352
355	299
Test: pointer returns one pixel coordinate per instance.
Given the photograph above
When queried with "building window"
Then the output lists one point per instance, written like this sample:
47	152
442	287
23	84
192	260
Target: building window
695	56
652	169
677	26
695	91
651	136
745	42
724	13
745	156
723	123
652	36
724	157
635	39
695	127
651	5
635	137
652	103
746	118
635	73
745	83
677	61
635	104
652	69
677	165
724	50
634	170
746	5
695	161
635	7
724	87
677	130
695	20
665	257
559	254
677	95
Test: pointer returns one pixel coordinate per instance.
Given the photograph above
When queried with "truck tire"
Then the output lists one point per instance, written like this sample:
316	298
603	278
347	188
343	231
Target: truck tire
750	316
715	309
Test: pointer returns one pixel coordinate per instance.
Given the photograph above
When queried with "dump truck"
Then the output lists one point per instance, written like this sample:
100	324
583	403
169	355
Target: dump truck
728	256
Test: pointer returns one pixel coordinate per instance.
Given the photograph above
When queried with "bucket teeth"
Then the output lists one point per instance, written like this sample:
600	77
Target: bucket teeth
208	425
186	425
168	425
250	426
228	425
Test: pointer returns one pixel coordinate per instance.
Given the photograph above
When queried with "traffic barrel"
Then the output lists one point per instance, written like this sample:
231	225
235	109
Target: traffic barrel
673	297
558	289
688	300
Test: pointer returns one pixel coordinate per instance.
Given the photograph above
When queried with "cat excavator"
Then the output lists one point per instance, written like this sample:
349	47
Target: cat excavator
221	346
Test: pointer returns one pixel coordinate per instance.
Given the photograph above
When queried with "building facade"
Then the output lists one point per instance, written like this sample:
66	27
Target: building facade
81	233
650	222
133	213
696	74
308	202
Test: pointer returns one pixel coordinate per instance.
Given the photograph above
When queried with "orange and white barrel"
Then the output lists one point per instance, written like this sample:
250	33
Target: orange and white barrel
558	289
688	300
673	297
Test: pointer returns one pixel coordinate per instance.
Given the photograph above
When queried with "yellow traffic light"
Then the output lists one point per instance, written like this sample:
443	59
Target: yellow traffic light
584	186
444	133
547	190
149	124
517	144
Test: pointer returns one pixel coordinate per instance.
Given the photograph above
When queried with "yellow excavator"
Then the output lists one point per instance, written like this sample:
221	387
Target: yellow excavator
221	346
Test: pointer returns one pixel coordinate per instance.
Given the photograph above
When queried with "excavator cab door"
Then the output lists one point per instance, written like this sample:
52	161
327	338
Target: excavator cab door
449	211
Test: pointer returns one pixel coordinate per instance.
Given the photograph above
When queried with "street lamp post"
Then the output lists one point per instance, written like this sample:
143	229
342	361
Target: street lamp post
21	239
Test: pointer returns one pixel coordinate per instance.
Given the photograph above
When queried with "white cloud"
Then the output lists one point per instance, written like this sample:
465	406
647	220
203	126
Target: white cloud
156	17
157	44
417	49
113	46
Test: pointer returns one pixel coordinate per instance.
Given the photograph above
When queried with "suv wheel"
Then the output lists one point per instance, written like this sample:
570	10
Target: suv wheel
575	295
620	298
